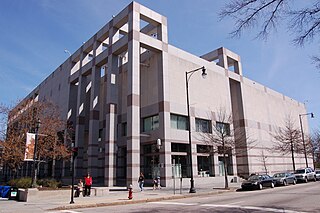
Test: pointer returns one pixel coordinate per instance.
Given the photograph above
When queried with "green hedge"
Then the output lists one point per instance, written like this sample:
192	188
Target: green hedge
27	182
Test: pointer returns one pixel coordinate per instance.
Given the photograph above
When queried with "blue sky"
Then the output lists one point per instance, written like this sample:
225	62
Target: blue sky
34	34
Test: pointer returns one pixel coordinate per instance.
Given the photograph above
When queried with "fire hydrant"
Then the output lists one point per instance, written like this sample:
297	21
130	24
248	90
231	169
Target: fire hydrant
130	192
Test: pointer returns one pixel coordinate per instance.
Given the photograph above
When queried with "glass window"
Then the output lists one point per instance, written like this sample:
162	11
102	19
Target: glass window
203	125
179	122
179	147
124	129
150	123
223	128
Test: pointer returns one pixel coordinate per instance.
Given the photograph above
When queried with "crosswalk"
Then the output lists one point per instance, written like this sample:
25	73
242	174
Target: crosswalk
228	206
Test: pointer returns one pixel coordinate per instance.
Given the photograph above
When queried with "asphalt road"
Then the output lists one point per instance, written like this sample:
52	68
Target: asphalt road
304	197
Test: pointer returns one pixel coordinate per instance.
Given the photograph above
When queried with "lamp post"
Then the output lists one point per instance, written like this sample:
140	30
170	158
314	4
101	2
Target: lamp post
302	135
73	157
34	176
188	76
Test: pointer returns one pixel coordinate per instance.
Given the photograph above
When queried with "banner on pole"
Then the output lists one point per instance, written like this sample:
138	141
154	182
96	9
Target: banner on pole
29	151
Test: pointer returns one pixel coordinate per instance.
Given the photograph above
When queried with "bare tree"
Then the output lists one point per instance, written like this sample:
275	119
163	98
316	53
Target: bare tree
313	147
266	15
287	140
223	139
264	160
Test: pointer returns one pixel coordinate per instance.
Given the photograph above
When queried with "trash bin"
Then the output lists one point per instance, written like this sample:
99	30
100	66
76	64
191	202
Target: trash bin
13	193
4	191
23	195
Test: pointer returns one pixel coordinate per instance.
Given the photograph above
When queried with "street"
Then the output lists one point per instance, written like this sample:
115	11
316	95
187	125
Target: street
292	199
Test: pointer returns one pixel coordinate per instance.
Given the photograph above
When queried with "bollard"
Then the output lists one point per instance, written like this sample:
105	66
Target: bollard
130	192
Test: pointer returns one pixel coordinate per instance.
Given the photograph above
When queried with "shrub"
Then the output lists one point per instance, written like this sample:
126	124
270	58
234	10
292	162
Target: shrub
50	183
21	182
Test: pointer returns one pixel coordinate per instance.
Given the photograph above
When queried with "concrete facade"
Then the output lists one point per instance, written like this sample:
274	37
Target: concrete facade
125	88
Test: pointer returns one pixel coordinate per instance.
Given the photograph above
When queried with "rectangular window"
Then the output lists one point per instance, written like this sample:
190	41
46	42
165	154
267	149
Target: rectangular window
150	123
223	128
179	122
179	147
124	129
203	125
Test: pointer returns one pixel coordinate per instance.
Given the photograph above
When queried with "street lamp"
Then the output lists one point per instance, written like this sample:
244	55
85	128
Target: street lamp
302	135
188	76
34	176
73	157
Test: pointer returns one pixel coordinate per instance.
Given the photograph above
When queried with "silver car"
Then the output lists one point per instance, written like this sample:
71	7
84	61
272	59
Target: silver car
284	178
305	175
317	174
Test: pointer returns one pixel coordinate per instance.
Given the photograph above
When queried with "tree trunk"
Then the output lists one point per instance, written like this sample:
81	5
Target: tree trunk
292	156
226	184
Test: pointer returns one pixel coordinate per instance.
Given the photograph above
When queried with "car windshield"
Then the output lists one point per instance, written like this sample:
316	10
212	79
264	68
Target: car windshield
300	171
317	172
279	175
254	177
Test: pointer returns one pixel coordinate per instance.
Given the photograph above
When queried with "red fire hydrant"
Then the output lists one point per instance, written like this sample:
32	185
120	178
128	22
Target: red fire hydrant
130	192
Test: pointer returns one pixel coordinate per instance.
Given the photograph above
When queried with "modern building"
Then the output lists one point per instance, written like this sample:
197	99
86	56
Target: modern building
124	90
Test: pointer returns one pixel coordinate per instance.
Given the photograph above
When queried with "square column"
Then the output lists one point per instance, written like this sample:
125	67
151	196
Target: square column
80	126
133	97
94	123
111	121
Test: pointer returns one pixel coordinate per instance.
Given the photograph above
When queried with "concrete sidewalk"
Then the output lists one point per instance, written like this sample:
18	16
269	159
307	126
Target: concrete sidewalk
57	200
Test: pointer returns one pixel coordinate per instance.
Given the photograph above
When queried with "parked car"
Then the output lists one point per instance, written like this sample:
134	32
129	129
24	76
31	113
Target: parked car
305	175
317	174
258	182
284	178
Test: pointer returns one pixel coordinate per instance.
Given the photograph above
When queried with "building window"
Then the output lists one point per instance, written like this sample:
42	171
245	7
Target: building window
150	123
179	147
203	125
124	129
179	122
223	128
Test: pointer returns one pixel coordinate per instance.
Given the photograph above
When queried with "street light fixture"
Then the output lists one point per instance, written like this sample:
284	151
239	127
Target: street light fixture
188	76
34	176
302	135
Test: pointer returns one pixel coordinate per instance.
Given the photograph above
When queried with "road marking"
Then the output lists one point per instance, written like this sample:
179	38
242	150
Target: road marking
235	203
65	211
251	208
176	203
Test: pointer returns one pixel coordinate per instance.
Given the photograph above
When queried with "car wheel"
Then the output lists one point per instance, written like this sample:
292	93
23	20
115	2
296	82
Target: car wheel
260	186
285	183
294	182
272	185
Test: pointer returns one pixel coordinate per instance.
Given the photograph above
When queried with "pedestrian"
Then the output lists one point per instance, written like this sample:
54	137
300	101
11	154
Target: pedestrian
79	189
141	181
87	185
155	184
158	183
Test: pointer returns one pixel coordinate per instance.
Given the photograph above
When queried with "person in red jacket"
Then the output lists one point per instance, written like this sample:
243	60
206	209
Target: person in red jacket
87	185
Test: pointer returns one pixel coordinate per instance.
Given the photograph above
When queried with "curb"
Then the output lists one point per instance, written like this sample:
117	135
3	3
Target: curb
126	202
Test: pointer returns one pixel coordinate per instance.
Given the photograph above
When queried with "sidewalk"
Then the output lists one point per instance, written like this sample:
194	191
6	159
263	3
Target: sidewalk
60	200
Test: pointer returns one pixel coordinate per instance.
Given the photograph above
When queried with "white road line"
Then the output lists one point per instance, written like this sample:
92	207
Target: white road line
235	203
175	203
251	208
65	211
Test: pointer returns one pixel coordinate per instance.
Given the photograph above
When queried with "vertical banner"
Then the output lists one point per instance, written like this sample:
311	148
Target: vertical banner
29	151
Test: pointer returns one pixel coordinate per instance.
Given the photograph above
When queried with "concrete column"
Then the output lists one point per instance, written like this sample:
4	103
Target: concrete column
93	143
80	126
111	121
133	97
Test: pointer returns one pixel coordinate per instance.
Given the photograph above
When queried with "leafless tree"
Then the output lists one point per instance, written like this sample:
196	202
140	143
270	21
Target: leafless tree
225	140
287	140
264	160
313	147
266	15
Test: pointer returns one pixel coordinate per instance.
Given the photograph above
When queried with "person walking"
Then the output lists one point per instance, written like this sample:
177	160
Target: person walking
87	185
141	181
